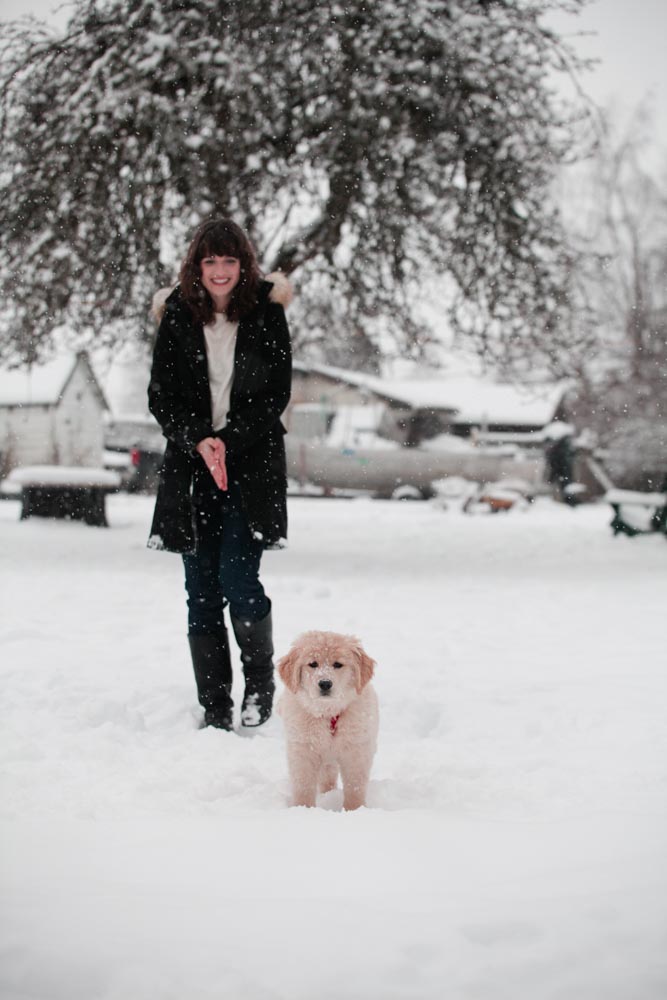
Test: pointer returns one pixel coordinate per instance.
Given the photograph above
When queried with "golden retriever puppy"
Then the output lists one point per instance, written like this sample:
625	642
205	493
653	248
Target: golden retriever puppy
330	712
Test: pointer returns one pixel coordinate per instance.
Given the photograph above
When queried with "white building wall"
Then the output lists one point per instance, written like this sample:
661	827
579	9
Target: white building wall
70	432
26	436
78	427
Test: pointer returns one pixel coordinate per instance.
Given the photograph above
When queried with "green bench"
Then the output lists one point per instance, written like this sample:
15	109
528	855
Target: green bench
77	493
637	513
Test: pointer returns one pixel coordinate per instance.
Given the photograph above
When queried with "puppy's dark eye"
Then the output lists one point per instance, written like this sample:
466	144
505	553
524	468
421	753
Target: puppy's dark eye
313	665
337	665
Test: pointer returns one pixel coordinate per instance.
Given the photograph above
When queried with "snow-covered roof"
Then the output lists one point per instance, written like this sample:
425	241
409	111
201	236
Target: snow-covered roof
481	402
471	400
42	384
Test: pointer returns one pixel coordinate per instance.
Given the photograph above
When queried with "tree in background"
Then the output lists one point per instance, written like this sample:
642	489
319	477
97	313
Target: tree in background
366	147
621	227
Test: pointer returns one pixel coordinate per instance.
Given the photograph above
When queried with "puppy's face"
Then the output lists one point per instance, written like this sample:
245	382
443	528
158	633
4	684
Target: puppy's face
326	671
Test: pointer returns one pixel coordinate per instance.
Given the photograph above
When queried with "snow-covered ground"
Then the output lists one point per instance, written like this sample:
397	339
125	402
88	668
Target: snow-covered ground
514	844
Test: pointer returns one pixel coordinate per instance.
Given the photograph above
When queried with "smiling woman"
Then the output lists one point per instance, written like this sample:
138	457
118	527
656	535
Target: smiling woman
220	380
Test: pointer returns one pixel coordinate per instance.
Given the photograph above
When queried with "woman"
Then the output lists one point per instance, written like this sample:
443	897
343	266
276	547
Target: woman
219	382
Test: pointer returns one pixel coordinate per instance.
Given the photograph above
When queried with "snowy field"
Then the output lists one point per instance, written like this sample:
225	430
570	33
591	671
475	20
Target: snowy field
514	844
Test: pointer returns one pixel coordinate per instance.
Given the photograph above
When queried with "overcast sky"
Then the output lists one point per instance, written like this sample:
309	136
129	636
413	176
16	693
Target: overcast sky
628	39
627	36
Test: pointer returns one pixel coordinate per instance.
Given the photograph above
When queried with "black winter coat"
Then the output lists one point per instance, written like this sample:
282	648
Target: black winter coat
179	398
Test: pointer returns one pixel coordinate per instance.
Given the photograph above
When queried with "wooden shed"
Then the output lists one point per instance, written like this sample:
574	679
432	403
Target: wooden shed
51	414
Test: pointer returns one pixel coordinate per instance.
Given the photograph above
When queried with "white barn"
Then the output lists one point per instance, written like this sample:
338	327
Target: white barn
51	414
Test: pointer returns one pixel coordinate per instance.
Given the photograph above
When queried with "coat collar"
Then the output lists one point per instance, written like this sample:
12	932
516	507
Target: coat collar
190	334
250	329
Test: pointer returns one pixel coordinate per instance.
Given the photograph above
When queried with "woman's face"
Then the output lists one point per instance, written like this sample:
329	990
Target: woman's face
220	276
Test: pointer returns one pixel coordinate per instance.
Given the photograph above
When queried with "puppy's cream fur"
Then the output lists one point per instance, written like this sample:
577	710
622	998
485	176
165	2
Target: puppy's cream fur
330	711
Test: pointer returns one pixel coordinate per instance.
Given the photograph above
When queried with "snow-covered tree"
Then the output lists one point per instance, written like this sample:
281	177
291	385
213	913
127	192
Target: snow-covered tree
620	220
365	146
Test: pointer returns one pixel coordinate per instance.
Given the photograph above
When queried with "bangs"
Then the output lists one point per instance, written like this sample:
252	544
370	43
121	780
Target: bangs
220	242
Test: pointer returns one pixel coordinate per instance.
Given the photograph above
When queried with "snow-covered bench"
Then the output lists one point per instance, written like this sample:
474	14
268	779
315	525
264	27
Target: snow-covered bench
73	492
637	513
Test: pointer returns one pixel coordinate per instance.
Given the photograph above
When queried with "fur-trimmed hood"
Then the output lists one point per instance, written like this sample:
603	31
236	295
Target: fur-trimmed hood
282	293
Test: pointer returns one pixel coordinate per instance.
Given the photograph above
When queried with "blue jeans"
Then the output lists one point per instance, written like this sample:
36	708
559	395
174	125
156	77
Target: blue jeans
225	568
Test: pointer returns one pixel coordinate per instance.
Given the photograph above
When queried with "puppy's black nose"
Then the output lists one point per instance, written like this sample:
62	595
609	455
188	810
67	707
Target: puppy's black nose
325	686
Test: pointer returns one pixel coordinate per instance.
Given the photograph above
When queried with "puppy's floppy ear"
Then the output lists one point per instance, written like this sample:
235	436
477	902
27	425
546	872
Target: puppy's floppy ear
289	670
366	666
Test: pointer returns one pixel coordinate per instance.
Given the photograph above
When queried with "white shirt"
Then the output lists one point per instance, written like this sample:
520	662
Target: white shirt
220	336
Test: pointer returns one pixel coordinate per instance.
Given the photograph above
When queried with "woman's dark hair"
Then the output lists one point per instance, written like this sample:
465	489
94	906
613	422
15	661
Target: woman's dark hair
220	238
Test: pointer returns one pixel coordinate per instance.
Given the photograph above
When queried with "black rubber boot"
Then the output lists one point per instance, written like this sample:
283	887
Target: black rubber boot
255	641
213	674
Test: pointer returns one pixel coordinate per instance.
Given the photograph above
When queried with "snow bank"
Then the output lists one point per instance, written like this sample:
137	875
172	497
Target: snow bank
63	475
514	842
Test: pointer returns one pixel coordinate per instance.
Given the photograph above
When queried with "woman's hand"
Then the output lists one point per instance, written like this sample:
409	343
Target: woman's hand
212	450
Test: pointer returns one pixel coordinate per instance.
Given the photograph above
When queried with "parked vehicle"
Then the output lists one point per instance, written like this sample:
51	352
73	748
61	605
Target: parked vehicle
134	447
403	473
362	459
138	468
